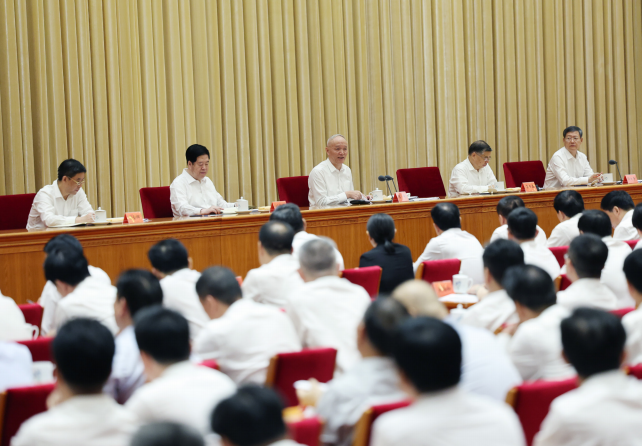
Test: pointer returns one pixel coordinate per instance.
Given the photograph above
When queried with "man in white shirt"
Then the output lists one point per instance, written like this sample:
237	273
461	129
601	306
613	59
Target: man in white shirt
192	192
619	206
172	265
453	243
167	433
278	274
177	390
242	335
12	322
633	321
607	407
326	310
473	175
15	365
136	289
79	413
569	166
569	206
428	353
504	207
330	181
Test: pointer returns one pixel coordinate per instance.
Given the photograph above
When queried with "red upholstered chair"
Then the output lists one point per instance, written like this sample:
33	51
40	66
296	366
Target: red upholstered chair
423	182
18	405
363	428
156	202
558	252
565	282
369	277
438	270
621	312
32	314
287	368
635	370
306	431
210	363
40	348
632	243
20	205
524	172
294	190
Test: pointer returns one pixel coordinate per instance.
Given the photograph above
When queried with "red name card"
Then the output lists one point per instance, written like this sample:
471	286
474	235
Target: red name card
133	217
630	179
529	187
400	197
276	204
443	288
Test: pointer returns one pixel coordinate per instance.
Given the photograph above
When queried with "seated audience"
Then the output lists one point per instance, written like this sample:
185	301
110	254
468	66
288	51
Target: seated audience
428	353
569	206
394	259
633	321
453	243
278	274
326	310
496	308
371	381
607	407
504	207
166	433
637	223
12	321
79	413
136	289
486	368
522	227
15	365
172	265
619	206
242	335
585	261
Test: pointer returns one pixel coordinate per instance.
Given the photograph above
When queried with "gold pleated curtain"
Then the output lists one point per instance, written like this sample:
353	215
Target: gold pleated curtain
125	86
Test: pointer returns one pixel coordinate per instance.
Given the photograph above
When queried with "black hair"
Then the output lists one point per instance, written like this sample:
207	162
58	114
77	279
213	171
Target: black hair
530	286
167	433
618	198
276	237
570	202
220	283
501	255
637	217
446	216
479	147
381	228
194	151
140	289
522	223
508	203
163	334
83	350
588	254
633	269
250	417
289	213
66	264
595	222
168	256
381	320
593	341
64	240
572	128
70	168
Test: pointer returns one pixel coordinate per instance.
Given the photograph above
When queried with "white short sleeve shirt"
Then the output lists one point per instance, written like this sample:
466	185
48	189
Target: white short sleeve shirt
189	195
49	208
271	283
566	170
179	294
328	185
465	179
564	233
625	230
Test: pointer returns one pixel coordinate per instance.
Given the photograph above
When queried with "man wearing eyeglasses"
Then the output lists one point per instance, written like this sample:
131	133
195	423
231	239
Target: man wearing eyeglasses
62	203
568	166
473	175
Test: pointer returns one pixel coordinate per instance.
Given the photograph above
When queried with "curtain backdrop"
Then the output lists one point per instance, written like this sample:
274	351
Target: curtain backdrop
125	86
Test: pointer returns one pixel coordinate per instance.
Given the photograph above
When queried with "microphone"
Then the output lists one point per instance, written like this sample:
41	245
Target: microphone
611	162
385	178
388	177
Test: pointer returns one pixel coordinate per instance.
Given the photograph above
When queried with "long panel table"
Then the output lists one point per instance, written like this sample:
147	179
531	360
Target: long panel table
232	241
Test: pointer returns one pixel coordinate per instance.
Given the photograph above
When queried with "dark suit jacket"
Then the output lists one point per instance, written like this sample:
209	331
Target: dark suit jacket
397	266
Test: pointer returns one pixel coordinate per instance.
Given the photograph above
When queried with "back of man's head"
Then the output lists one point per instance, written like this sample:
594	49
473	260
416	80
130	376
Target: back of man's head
637	217
522	223
167	433
588	254
63	240
83	350
530	286
420	299
70	168
501	255
220	283
67	265
446	216
618	198
593	341
289	213
633	269
317	259
250	417
507	204
595	222
381	321
570	202
168	256
163	334
140	289
276	237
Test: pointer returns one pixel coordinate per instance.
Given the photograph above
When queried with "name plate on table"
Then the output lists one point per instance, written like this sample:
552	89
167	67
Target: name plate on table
630	179
443	288
276	204
529	187
133	217
400	197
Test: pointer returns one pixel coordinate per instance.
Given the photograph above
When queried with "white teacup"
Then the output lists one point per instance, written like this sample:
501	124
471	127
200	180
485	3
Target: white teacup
499	185
607	178
241	204
376	194
461	283
101	215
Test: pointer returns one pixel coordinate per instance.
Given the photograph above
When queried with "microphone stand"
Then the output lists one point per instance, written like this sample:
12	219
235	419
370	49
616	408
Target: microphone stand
384	178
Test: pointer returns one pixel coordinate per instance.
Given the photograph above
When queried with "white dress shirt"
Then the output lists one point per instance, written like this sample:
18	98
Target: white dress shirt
83	420
587	293
456	244
326	313
604	411
535	254
502	233
302	237
179	294
638	245
564	233
491	312
271	283
566	170
127	371
625	230
50	209
613	275
633	325
465	179
12	322
328	186
15	365
536	347
244	339
189	195
450	417
185	393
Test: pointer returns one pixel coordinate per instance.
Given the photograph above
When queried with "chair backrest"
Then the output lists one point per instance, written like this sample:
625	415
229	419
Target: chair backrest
210	363
20	206
287	368
40	348
520	172
156	202
558	252
632	243
438	270
423	182
294	190
32	314
363	429
621	312
532	400
306	431
369	277
20	404
565	282
635	370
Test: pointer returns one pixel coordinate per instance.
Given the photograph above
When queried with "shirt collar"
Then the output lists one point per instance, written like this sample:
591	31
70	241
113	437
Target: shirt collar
569	155
56	190
469	165
334	169
190	179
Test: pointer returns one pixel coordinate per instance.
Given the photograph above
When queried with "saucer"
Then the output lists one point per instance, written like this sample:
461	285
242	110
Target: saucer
244	212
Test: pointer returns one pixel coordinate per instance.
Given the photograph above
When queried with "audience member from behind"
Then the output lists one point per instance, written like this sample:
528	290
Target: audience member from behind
585	261
136	289
79	413
16	366
177	390
504	207
619	206
486	368
371	381
607	407
637	223
277	276
242	335
166	433
633	321
172	265
394	259
13	326
428	354
496	308
569	206
536	348
326	310
453	243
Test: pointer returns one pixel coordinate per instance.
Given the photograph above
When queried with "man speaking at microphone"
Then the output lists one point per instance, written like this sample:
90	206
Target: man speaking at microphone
568	166
473	175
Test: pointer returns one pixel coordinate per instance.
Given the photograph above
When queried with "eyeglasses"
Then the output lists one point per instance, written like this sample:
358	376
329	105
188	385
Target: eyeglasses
572	139
486	158
79	183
